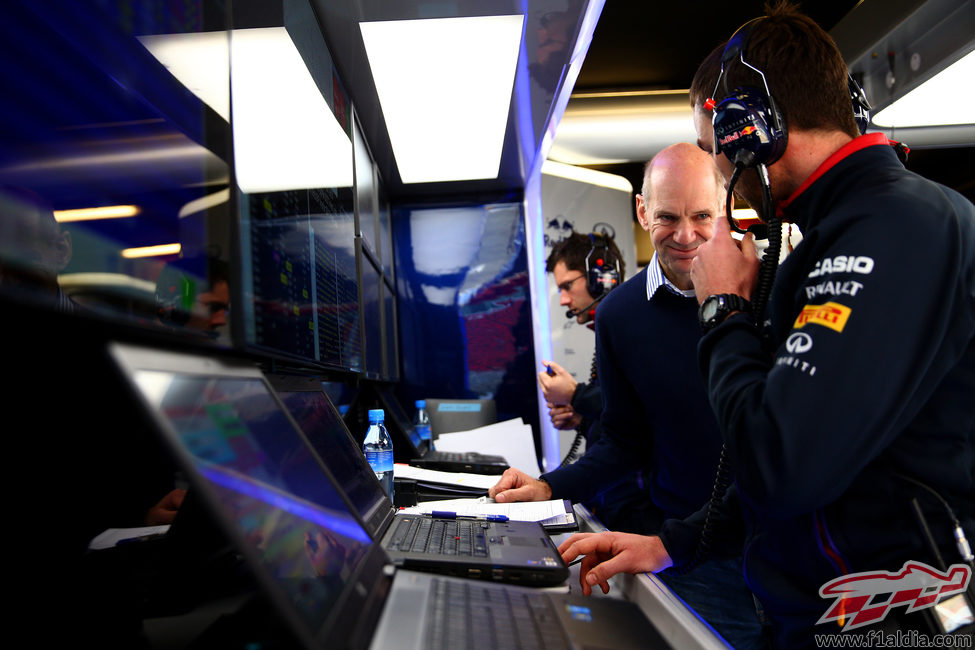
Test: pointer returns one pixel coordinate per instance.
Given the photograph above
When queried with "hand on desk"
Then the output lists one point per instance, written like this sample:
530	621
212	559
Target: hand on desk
564	417
515	485
559	387
609	553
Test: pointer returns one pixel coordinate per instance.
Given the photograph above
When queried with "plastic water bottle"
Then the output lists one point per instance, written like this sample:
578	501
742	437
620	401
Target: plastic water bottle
421	422
378	449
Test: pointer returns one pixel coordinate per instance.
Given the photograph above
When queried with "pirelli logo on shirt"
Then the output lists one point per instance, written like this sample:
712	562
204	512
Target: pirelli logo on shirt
832	315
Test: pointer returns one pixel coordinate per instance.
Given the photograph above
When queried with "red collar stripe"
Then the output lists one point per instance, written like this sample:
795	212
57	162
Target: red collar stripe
854	145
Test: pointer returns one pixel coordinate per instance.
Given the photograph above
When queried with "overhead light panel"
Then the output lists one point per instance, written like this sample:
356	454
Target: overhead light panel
586	175
285	135
161	250
199	61
94	214
946	99
445	87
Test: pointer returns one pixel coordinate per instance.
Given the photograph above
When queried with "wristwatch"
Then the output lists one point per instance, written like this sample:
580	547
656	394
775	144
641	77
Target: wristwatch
717	307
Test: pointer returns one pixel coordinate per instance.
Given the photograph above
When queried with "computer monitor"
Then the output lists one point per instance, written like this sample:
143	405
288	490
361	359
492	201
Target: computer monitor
450	415
301	296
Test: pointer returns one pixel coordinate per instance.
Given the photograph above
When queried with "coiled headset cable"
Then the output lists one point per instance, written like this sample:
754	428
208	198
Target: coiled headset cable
570	457
771	227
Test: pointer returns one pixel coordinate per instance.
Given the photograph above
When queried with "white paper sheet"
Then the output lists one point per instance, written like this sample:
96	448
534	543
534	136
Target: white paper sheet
485	481
512	439
545	512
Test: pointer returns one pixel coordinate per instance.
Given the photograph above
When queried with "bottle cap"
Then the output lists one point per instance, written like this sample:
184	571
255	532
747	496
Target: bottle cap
376	415
421	403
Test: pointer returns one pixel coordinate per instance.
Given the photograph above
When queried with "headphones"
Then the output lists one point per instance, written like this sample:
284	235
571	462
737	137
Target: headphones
748	126
602	267
861	107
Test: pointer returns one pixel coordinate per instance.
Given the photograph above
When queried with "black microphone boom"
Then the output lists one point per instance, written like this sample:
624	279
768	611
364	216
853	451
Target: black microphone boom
572	313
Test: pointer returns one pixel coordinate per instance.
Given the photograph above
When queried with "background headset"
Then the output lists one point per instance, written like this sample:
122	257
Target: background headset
602	267
603	272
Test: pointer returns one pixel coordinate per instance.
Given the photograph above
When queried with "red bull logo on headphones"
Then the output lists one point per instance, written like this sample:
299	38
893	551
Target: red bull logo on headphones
731	137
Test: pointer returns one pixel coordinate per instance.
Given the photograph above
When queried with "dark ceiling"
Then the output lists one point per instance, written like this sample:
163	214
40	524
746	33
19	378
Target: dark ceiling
642	46
638	47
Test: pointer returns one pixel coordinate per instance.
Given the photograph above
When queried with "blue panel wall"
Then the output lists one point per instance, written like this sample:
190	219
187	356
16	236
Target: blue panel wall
464	310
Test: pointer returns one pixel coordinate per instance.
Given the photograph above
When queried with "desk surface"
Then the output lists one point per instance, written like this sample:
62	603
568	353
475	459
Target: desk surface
675	621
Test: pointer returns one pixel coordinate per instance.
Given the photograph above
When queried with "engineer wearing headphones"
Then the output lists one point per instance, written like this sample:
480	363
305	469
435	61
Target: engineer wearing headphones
656	417
586	267
846	408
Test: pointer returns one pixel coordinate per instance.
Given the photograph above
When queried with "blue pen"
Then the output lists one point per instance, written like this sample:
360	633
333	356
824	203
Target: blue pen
496	518
443	514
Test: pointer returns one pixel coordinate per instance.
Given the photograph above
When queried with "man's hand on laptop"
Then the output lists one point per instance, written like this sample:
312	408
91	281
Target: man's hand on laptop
608	553
515	485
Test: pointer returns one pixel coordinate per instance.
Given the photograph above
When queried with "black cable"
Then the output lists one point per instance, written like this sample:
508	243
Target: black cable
580	432
770	261
961	543
766	277
922	523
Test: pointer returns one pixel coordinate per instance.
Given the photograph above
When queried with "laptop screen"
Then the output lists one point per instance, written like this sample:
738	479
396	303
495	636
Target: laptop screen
328	436
266	481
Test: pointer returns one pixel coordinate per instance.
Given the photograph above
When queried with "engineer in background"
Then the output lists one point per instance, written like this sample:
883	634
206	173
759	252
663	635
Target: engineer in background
586	267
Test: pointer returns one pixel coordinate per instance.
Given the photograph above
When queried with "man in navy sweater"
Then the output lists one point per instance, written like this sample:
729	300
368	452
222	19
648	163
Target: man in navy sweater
846	408
656	415
578	405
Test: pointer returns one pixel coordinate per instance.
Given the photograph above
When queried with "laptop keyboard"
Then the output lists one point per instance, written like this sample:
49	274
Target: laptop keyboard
472	614
461	457
440	536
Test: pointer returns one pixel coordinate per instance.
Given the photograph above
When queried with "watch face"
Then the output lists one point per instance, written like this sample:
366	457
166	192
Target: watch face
710	308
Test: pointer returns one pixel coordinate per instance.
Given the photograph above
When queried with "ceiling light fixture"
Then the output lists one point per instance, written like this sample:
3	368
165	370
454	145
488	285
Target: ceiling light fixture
285	134
586	175
94	214
152	251
945	99
445	87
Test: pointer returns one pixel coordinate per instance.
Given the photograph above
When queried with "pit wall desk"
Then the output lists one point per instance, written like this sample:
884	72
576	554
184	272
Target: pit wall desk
680	626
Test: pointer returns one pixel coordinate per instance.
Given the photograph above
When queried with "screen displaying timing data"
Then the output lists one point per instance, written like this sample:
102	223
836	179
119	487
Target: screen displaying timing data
299	274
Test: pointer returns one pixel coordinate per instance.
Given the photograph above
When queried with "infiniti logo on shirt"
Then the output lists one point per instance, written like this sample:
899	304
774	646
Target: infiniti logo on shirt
798	342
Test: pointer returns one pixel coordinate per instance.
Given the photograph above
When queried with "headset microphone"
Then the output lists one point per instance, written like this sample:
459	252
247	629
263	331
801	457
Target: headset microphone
572	313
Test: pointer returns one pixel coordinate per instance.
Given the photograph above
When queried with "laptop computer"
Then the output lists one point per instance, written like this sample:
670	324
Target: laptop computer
312	410
227	415
513	551
331	584
421	454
